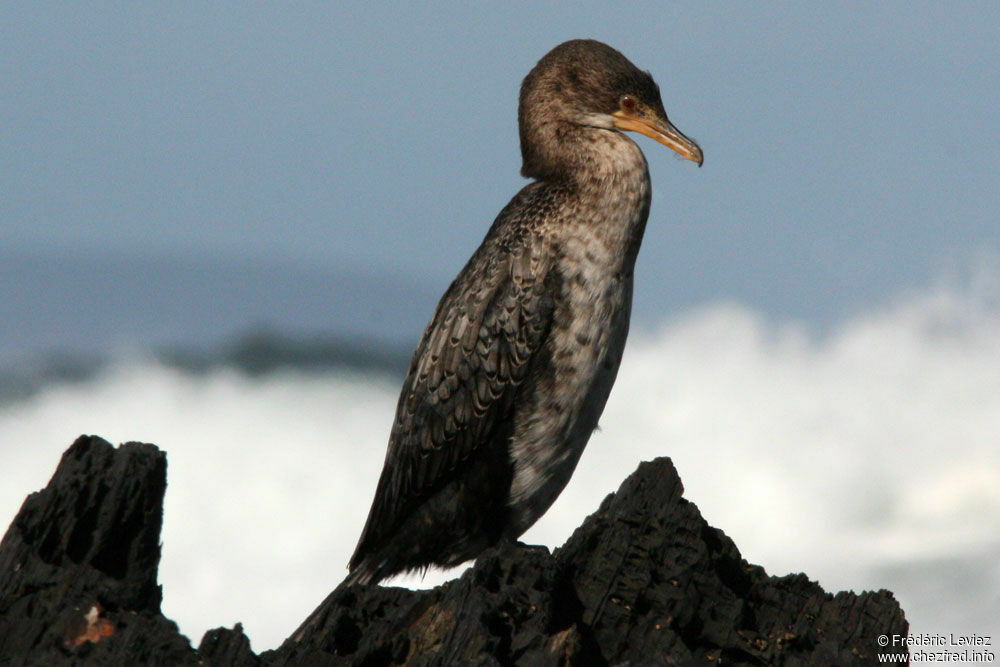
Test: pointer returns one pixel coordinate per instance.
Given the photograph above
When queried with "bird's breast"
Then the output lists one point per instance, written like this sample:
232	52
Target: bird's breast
562	403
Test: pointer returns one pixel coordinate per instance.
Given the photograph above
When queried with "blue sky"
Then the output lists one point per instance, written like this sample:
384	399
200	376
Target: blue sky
851	149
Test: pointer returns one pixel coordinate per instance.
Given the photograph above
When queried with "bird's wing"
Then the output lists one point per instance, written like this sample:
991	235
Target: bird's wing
473	356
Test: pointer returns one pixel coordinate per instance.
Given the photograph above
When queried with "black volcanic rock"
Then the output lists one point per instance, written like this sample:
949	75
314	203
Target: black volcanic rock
643	581
78	564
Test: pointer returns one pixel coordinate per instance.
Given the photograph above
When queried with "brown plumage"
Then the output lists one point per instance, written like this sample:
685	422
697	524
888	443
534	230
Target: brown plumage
515	367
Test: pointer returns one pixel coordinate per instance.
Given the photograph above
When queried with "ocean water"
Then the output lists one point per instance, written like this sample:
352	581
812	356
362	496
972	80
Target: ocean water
866	455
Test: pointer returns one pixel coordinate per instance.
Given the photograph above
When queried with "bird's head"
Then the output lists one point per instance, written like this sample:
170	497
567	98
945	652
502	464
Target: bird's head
588	83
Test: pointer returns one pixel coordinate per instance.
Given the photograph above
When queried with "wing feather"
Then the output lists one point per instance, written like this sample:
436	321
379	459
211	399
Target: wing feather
474	354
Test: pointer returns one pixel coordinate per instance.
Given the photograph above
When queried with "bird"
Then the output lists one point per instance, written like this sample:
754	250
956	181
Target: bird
513	371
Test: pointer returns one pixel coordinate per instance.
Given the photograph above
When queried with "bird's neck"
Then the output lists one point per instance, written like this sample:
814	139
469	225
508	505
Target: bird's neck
609	192
608	163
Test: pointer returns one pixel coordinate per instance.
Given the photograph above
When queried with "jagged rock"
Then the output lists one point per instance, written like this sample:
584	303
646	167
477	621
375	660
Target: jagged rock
78	564
227	647
645	580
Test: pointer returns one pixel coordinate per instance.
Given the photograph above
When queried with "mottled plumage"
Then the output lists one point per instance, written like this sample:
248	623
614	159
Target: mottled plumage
514	369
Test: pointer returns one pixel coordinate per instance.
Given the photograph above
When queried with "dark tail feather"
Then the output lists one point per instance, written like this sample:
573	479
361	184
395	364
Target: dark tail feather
359	575
365	571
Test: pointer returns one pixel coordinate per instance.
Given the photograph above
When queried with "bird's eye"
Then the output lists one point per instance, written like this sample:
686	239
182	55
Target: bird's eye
627	103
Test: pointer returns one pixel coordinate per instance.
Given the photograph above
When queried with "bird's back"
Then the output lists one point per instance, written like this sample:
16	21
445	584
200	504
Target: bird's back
442	494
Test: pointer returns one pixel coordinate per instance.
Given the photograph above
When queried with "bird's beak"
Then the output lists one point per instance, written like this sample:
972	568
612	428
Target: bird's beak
660	129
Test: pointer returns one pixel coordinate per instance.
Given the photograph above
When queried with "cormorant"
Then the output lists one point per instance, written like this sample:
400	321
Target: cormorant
514	369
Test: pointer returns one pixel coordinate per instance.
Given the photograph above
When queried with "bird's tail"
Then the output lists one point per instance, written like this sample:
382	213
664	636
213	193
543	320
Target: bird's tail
358	575
367	571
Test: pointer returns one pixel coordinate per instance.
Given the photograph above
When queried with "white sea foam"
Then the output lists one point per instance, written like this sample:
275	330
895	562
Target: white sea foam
868	457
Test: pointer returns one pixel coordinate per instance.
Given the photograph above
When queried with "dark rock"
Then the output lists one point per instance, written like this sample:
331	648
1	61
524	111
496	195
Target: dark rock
657	584
227	647
78	564
643	581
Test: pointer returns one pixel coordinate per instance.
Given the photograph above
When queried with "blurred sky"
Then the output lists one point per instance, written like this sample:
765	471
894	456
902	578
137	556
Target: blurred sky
851	149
